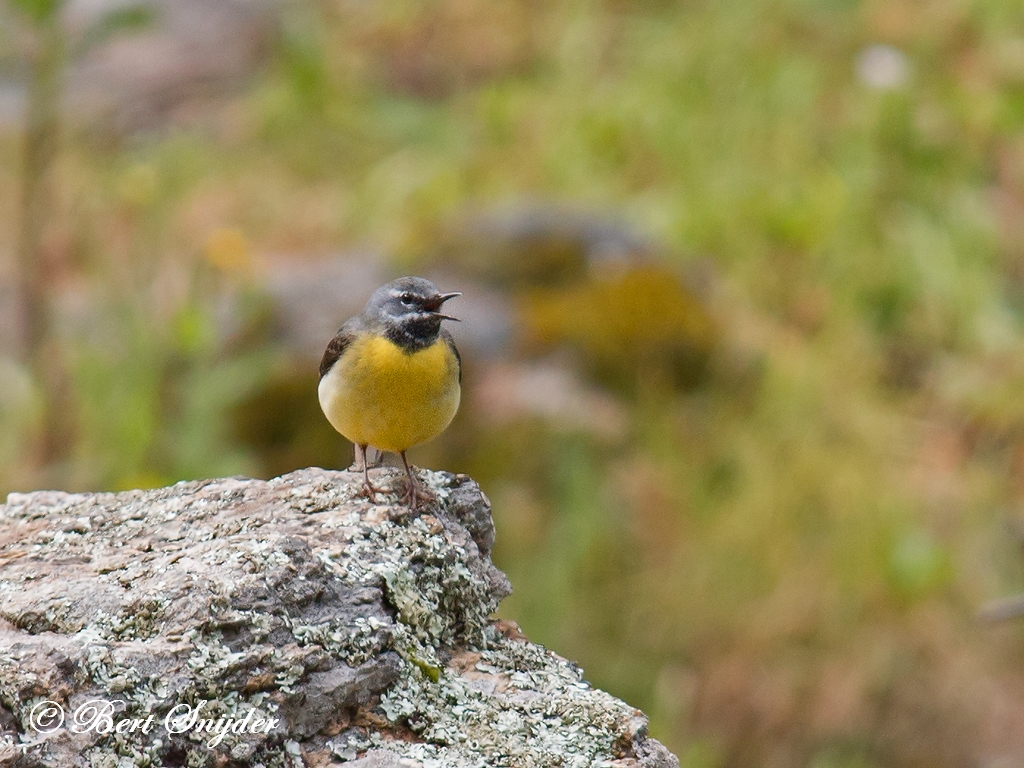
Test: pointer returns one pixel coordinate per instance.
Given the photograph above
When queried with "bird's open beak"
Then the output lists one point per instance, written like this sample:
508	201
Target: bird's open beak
433	304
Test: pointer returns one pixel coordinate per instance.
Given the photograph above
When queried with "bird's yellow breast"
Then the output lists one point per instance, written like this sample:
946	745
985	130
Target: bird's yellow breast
381	395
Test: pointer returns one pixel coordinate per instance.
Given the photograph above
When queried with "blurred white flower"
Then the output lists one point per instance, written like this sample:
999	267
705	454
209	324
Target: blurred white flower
883	67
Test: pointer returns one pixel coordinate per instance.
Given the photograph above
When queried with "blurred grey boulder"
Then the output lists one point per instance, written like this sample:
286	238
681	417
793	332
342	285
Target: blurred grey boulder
311	298
537	242
193	50
175	57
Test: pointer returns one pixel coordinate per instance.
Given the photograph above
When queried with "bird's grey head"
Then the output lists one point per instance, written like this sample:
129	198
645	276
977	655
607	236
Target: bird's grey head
409	309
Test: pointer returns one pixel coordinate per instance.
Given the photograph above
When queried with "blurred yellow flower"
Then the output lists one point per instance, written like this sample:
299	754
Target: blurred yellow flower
627	325
227	250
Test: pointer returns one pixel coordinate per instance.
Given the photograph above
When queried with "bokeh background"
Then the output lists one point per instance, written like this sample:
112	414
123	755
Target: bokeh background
743	326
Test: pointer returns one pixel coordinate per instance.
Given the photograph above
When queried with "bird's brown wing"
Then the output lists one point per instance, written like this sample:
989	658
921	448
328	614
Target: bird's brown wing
455	351
336	347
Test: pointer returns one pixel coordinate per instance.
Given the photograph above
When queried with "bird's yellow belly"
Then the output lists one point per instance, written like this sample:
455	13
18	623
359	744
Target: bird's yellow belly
377	394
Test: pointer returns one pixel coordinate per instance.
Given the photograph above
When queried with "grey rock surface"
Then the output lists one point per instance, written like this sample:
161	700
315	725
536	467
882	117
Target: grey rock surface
246	623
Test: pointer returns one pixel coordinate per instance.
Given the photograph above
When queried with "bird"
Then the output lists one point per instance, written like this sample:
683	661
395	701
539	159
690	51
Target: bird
391	377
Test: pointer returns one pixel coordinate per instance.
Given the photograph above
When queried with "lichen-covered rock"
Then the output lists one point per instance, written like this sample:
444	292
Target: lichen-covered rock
280	623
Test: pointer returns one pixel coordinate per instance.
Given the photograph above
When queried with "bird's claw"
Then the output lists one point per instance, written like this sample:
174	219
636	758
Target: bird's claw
368	491
415	493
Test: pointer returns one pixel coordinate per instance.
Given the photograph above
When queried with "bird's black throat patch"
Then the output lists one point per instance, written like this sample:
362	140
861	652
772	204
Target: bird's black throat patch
414	332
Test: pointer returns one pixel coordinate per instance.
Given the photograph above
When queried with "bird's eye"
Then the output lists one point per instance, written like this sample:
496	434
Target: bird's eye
407	299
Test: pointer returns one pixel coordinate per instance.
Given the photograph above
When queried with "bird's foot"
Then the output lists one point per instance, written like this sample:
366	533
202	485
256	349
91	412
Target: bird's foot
368	491
415	493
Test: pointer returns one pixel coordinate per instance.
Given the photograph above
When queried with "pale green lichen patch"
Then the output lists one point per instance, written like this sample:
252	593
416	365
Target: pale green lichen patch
426	579
523	707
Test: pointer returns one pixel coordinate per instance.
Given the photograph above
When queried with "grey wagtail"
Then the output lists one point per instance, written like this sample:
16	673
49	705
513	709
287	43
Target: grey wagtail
391	377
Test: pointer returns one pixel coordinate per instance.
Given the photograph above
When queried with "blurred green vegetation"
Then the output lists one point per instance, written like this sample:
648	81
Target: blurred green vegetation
782	561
